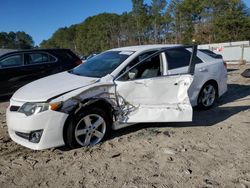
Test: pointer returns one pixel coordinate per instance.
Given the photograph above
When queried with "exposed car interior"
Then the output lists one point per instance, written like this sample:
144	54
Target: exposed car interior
147	69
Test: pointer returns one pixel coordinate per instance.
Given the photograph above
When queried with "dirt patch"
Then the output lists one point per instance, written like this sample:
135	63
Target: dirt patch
212	151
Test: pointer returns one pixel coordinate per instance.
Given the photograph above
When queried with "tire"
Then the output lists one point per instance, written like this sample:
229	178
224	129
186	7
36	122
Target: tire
208	96
88	128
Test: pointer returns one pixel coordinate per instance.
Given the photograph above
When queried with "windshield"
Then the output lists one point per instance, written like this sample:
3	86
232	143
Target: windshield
102	64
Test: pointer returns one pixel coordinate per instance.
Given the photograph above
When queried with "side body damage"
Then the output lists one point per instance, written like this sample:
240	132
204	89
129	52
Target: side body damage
131	102
158	99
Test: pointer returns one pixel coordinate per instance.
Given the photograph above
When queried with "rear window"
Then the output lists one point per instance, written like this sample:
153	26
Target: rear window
178	58
211	53
65	54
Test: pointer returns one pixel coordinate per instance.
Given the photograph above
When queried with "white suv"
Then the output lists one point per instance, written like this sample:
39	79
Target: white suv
117	88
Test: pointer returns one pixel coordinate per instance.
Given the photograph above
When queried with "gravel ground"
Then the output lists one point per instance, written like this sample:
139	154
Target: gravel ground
212	151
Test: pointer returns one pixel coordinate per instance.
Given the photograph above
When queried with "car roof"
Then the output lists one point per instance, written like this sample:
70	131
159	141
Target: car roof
40	49
145	47
34	50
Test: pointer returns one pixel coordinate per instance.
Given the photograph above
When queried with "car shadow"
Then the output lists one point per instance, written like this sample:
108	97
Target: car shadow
234	92
209	117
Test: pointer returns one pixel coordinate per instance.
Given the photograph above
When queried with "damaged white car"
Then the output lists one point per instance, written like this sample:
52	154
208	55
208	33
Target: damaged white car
115	89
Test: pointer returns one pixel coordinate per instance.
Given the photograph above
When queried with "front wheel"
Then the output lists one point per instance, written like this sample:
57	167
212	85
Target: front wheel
88	128
207	96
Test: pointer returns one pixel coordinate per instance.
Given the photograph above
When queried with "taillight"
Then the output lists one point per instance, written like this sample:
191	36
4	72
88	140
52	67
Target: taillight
225	64
78	62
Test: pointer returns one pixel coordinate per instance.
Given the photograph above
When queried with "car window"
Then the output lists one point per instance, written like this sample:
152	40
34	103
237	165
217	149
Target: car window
148	69
52	59
136	60
102	64
211	54
179	58
11	61
37	58
64	55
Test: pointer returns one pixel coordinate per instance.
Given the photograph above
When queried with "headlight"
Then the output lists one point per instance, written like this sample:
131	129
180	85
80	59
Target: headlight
30	108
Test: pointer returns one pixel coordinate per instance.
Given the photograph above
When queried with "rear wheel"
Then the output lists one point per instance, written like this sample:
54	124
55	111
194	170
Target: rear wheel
207	96
88	128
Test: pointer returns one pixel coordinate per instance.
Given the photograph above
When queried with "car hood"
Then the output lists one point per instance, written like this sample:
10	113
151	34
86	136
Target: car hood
51	86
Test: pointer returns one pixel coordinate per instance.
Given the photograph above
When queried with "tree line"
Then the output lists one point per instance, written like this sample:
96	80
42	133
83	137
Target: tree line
160	21
16	40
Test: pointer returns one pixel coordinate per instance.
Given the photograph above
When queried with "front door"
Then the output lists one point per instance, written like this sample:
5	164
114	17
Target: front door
145	94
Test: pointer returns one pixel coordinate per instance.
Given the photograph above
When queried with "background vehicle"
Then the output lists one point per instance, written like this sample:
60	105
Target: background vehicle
115	89
21	67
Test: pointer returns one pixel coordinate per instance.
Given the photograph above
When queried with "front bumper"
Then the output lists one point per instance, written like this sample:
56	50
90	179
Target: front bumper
51	122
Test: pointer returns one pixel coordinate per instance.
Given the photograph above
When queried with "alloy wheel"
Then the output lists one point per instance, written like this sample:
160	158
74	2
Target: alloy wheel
90	130
208	95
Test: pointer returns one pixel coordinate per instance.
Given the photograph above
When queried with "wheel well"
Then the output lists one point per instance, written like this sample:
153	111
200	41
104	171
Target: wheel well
214	83
100	103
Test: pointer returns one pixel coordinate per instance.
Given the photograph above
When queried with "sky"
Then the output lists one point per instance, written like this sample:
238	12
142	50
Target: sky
41	18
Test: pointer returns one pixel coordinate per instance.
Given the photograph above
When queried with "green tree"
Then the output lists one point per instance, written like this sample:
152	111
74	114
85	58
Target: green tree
179	21
158	20
140	18
230	21
16	40
62	38
126	30
175	14
23	40
98	33
209	20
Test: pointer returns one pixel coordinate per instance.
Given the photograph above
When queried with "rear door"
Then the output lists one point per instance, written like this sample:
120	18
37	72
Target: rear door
178	62
38	65
145	94
10	73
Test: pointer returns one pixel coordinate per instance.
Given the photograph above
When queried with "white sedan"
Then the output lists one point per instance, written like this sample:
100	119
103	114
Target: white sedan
115	89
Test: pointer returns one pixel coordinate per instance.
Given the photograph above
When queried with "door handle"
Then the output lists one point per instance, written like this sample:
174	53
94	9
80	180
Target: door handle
141	83
203	70
137	82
